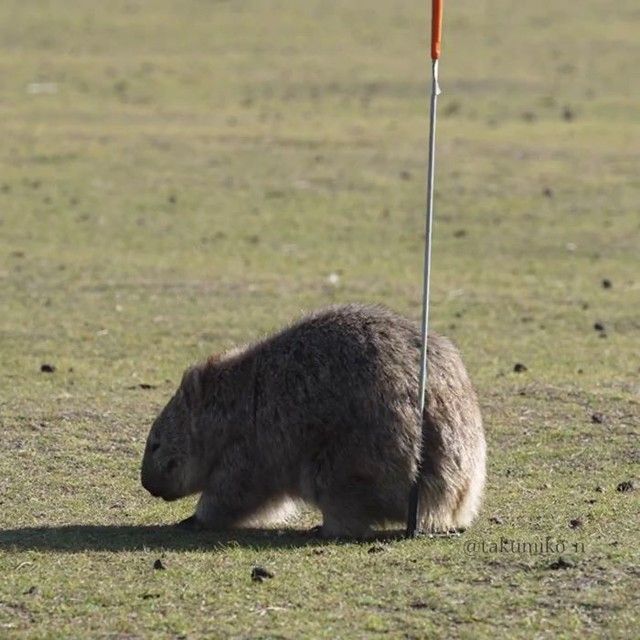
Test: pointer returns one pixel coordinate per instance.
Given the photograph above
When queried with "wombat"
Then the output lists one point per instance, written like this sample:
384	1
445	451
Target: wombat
325	412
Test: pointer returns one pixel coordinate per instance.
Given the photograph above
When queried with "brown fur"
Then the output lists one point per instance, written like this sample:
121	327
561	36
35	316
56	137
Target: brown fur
324	412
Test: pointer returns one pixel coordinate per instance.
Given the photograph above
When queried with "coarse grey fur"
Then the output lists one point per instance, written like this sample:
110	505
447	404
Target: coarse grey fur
325	412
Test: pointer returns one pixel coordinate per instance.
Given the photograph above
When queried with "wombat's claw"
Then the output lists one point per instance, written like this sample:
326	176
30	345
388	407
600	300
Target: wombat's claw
190	524
450	533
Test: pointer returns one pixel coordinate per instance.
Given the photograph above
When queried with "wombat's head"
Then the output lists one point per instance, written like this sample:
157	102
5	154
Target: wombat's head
171	466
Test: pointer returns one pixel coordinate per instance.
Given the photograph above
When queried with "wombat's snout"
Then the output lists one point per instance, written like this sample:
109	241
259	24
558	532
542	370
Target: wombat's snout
158	476
150	489
147	474
148	484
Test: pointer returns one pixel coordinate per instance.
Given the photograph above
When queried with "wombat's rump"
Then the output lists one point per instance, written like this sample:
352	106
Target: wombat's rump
325	411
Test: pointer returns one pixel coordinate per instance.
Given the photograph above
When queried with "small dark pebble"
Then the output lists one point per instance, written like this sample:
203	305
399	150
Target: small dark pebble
576	523
496	520
568	114
597	418
580	371
598	326
626	486
149	596
47	368
376	548
259	574
158	565
585	305
419	604
31	590
599	489
519	367
143	385
606	283
547	192
561	563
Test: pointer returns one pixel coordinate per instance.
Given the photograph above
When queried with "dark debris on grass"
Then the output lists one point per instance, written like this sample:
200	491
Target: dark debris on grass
561	563
260	574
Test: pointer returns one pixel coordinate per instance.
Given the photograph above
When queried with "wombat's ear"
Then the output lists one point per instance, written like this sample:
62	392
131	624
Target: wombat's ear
192	386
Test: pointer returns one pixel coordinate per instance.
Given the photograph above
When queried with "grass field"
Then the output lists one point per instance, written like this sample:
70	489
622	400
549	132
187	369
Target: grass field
180	177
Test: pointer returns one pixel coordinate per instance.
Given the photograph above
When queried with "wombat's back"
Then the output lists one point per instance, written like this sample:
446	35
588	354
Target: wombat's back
339	356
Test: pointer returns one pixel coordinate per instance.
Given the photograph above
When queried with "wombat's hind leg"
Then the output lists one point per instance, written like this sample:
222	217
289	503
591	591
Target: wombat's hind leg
438	502
469	505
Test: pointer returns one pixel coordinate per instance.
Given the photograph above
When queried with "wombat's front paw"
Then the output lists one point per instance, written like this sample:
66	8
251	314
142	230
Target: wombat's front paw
190	524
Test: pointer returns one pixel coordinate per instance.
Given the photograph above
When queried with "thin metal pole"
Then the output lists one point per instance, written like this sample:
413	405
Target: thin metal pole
413	519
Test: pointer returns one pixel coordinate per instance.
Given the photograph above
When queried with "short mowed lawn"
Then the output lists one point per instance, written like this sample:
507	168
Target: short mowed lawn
180	177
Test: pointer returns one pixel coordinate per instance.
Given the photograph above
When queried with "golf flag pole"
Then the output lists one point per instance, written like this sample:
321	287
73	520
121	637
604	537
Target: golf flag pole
413	519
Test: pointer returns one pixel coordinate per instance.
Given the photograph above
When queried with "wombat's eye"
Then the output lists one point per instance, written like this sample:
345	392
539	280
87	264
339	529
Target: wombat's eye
171	465
155	447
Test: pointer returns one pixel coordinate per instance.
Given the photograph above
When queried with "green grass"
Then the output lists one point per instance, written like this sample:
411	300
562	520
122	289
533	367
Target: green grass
190	181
